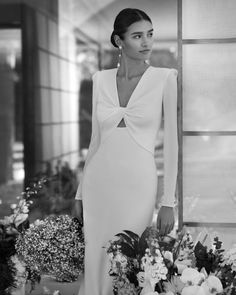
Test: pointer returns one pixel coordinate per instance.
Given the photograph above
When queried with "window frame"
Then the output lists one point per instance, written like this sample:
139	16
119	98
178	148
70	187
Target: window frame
182	133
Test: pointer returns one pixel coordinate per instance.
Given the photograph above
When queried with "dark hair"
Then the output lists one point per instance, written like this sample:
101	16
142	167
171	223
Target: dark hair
124	19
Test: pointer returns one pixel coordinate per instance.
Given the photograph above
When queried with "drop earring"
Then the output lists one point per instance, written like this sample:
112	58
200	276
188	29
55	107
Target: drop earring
119	56
147	62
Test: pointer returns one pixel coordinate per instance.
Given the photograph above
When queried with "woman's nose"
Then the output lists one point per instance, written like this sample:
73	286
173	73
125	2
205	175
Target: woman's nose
144	42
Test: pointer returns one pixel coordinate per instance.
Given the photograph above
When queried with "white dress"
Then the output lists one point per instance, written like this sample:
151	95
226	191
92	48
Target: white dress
119	182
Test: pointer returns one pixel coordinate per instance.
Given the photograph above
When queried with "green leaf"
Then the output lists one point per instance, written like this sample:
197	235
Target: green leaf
133	235
127	250
143	242
125	238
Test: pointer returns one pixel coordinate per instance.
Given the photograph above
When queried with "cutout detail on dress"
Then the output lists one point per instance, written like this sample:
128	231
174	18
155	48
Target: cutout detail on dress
121	124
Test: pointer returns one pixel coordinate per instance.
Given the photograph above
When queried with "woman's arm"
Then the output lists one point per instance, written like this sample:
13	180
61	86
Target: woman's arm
95	137
165	220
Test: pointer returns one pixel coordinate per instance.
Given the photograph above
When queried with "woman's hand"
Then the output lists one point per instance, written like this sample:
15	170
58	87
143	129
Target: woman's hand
78	210
165	220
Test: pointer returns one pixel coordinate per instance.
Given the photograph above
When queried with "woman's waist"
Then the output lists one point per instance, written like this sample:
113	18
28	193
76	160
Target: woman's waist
128	137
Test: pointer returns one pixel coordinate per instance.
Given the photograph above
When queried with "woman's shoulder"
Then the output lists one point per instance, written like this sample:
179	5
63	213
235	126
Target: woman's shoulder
164	71
104	73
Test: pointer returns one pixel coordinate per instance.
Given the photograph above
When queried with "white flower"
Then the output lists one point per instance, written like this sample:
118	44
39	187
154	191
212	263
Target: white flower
155	272
141	278
25	209
118	262
168	255
13	206
212	285
155	243
184	254
7	220
20	218
22	203
180	267
193	290
154	267
20	266
119	257
158	252
148	288
191	276
230	258
37	222
182	262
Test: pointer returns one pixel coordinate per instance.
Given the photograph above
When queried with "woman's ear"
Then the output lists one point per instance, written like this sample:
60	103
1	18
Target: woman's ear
118	41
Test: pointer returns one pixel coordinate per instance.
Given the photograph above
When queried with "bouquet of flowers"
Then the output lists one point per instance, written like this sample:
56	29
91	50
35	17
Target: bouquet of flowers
53	246
152	264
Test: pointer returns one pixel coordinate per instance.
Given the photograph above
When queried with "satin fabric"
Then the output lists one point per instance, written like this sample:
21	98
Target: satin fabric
142	117
119	182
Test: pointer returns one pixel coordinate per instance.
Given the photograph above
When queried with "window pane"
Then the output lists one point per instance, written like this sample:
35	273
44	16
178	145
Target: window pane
209	75
56	140
209	19
209	186
46	142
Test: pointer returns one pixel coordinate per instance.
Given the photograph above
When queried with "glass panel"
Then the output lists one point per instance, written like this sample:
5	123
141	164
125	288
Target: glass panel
74	139
209	19
65	107
56	106
73	81
74	107
53	36
209	186
54	72
11	109
44	79
42	31
209	75
45	106
64	73
47	142
57	138
66	138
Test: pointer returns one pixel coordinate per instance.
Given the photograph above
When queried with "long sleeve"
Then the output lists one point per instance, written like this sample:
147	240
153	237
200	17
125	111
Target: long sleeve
170	139
95	136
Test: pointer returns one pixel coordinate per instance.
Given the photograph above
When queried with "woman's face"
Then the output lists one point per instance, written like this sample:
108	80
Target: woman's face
138	40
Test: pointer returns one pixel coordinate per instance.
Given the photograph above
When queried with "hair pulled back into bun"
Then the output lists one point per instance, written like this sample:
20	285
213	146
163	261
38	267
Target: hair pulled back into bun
124	19
113	42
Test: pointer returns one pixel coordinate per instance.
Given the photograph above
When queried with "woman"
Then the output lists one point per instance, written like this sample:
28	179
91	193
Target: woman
119	185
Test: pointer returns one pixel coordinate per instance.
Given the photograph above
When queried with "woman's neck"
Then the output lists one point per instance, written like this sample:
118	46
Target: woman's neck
131	68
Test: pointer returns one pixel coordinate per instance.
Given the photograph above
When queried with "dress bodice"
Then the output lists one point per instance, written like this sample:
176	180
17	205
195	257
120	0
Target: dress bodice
142	115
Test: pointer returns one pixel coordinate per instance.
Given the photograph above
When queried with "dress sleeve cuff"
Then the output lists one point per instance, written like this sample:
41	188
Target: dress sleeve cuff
167	203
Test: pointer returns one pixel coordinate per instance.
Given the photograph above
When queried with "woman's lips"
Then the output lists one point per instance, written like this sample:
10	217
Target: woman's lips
145	51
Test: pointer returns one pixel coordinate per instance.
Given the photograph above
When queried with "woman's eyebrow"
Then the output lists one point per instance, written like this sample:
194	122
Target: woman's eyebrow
149	31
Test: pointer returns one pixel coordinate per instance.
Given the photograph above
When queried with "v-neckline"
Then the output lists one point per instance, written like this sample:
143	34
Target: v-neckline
133	92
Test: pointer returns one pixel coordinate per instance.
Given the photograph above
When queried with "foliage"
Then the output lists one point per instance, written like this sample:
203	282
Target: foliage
10	228
57	195
152	264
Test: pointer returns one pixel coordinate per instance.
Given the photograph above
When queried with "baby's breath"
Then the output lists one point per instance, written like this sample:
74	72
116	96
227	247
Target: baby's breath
54	246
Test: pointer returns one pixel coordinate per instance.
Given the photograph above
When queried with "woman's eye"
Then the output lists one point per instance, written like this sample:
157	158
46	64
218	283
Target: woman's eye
150	34
137	36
